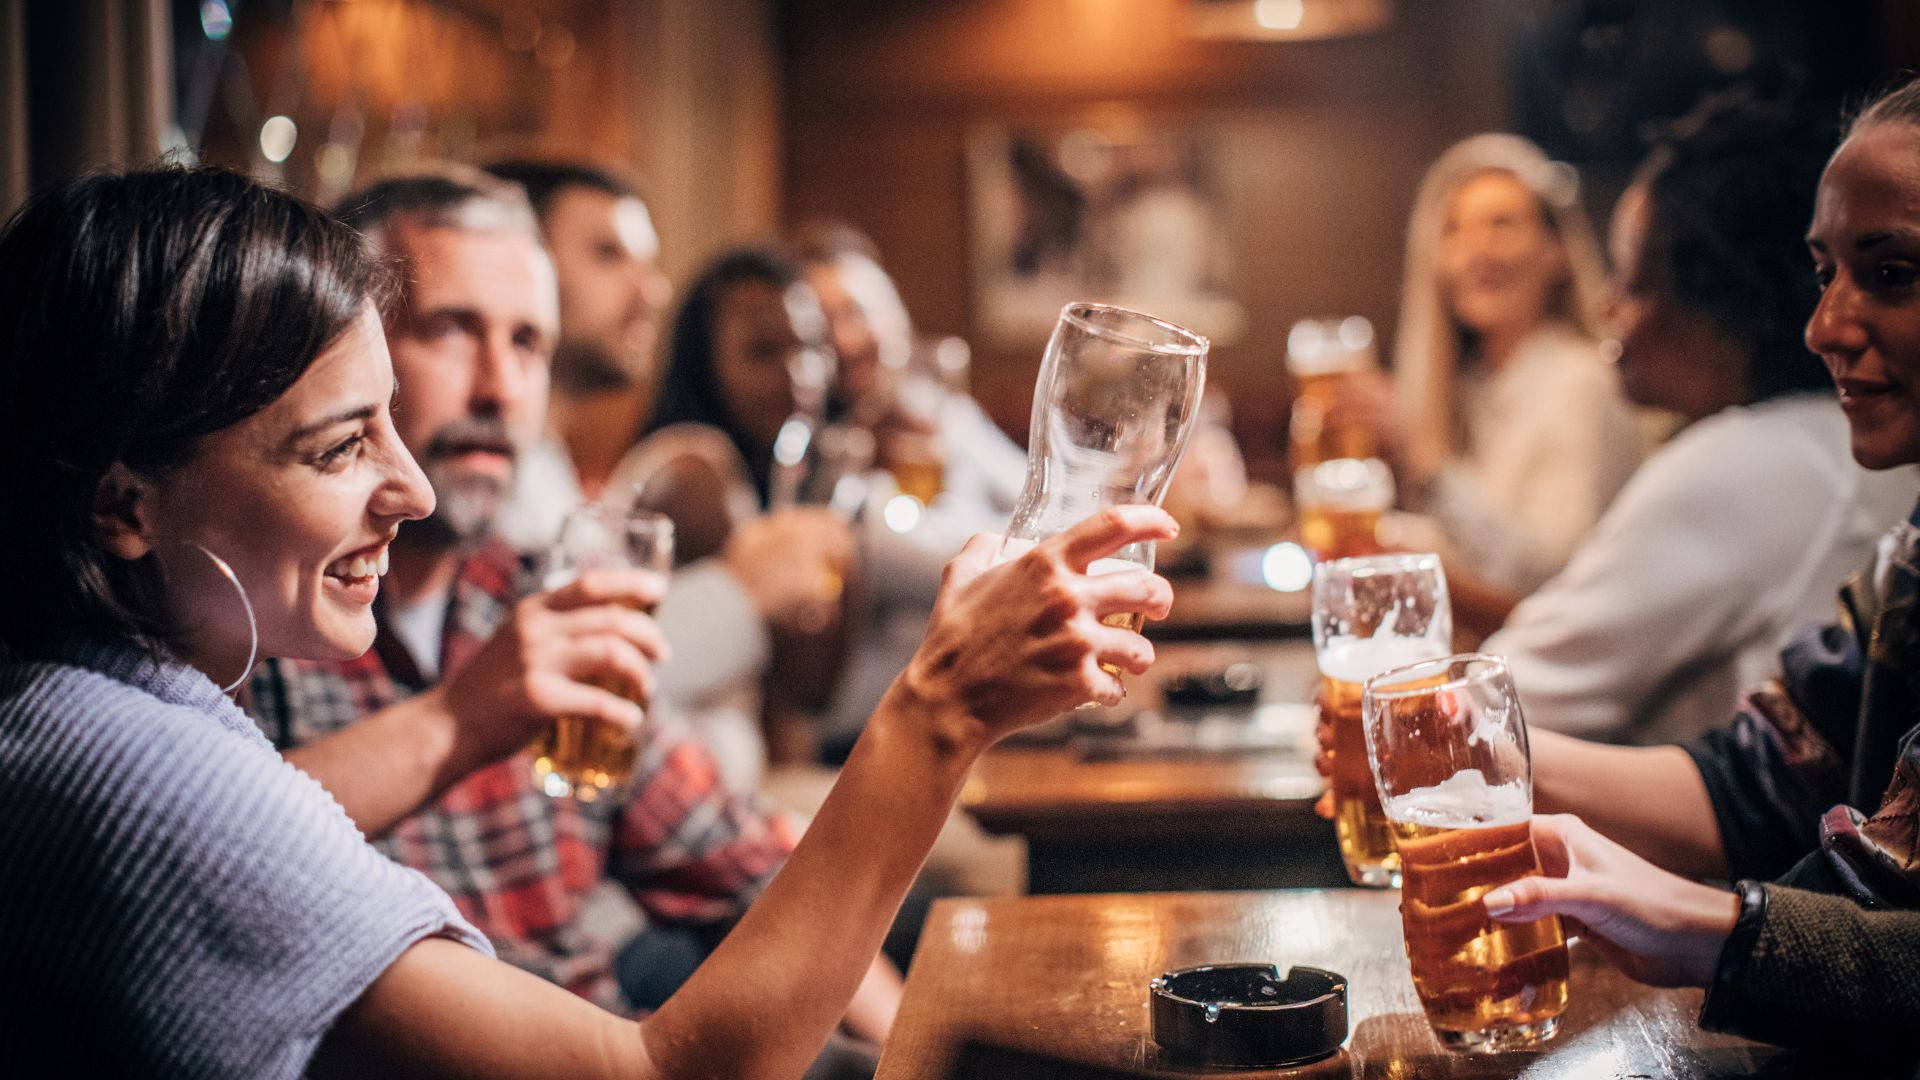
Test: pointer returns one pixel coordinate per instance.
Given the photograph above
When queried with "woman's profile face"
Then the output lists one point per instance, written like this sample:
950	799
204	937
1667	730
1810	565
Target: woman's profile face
1499	262
765	355
1865	240
301	499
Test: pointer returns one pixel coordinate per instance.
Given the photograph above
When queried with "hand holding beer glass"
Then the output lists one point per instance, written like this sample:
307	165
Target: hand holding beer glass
1115	404
1447	746
582	756
1370	615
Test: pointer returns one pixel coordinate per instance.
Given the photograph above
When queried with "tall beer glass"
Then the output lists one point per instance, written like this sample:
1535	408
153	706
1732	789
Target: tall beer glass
1340	503
1319	356
1370	615
1114	406
1448	749
581	756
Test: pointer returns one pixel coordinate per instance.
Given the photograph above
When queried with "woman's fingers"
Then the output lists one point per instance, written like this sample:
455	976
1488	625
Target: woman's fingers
1126	592
1108	531
1119	647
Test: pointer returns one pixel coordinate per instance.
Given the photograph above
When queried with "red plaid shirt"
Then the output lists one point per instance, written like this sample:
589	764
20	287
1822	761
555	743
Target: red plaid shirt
519	864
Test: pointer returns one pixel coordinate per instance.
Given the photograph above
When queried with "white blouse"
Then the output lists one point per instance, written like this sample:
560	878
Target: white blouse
1731	537
1549	443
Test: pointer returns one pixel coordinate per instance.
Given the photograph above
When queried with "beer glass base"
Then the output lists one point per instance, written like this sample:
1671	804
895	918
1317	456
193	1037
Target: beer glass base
1374	877
1500	1038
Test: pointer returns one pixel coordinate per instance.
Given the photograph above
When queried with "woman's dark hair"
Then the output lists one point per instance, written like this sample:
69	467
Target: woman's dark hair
689	390
139	313
1730	188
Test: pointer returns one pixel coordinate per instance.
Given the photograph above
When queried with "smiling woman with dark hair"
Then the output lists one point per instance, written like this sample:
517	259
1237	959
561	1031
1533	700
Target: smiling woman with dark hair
199	466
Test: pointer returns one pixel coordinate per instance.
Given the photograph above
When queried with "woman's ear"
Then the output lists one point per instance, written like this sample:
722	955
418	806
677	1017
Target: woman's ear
123	513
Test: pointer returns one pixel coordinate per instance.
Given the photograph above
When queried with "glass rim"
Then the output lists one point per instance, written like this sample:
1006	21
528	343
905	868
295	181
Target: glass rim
1497	665
1368	565
1187	342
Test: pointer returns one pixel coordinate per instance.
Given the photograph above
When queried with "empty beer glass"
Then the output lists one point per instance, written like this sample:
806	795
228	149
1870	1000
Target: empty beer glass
1370	615
1114	406
582	756
1448	750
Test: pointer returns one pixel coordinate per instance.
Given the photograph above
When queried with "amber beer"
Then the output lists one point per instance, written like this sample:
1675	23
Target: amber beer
1484	985
922	478
1132	620
1340	504
1321	355
1366	837
583	756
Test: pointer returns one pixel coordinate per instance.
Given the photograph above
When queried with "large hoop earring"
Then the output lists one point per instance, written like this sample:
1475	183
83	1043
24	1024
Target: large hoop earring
246	603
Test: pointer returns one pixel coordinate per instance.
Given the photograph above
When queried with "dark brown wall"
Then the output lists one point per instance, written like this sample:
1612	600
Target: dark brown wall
1329	140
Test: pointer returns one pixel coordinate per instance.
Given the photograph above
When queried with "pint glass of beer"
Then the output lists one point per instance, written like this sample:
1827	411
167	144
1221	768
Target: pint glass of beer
1370	615
581	756
1115	404
1320	355
1340	503
1448	749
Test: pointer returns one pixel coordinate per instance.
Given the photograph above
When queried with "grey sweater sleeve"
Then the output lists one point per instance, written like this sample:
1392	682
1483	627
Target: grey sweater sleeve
197	907
1823	972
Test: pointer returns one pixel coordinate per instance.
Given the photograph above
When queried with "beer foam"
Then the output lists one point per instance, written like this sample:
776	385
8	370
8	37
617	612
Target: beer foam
1357	659
1464	800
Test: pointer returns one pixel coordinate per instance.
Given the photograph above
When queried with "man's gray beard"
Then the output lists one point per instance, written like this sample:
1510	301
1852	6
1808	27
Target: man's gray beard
465	507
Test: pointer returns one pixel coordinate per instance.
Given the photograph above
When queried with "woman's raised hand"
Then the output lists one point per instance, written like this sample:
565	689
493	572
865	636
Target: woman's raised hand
1015	644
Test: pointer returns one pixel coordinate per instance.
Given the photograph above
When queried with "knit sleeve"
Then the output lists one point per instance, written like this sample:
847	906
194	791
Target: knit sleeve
206	908
1823	972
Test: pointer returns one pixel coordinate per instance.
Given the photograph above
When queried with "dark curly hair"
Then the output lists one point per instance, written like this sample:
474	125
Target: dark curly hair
139	313
1730	188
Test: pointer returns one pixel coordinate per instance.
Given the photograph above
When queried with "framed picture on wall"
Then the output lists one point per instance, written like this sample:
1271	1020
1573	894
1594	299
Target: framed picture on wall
1117	209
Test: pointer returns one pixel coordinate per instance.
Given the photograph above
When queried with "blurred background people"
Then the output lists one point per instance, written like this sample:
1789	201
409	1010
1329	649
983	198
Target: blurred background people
1503	420
613	301
731	589
921	427
1731	536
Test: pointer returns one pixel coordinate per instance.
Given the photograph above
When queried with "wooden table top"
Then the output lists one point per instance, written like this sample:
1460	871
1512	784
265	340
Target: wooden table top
1067	976
1023	788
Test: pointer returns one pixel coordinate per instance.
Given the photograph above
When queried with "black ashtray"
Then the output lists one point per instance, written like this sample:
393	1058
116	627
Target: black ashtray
1237	683
1249	1015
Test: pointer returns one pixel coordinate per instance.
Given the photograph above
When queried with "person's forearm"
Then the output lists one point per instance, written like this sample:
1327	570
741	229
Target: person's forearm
1649	800
385	766
767	998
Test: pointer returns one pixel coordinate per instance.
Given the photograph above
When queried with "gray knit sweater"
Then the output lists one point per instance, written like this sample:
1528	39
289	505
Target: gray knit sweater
175	899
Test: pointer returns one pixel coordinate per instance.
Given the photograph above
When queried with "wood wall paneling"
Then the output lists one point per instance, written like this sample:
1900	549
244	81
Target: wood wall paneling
1328	141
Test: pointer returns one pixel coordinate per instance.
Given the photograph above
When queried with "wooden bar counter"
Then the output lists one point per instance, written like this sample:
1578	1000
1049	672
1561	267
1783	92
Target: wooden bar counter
1067	976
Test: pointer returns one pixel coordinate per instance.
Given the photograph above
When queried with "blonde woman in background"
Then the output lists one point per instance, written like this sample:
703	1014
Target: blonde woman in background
1503	420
